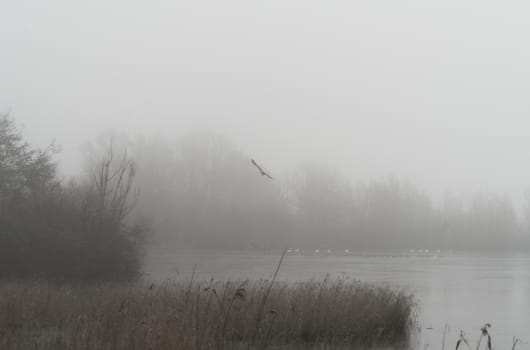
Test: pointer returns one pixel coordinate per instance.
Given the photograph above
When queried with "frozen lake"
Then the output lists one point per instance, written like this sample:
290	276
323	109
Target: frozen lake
463	291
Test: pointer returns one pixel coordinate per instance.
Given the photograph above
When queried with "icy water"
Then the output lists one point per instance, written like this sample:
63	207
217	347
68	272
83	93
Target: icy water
462	291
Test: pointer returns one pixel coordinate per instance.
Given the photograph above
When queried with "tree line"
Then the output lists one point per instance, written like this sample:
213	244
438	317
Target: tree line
201	191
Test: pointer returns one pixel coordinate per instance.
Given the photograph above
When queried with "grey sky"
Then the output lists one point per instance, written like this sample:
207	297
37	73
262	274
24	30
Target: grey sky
436	92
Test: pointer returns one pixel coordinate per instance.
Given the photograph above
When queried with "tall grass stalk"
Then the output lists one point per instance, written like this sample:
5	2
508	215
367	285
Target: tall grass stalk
259	316
204	315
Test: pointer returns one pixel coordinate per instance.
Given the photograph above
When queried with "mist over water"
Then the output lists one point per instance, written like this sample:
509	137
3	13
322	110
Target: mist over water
385	141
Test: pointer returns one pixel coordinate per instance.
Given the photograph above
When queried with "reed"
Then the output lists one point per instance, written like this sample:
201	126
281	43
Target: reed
484	334
203	315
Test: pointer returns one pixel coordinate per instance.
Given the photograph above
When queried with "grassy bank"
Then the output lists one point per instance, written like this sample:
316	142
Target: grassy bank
203	315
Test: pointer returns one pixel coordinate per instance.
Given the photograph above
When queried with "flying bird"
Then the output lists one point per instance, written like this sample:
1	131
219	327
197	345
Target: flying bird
262	172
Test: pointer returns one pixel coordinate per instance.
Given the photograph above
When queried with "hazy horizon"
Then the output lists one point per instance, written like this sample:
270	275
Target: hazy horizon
433	94
388	205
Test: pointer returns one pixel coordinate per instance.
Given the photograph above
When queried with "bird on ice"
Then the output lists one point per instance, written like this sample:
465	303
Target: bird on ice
262	172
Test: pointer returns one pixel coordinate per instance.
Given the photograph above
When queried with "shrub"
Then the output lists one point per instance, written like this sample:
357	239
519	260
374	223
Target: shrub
64	232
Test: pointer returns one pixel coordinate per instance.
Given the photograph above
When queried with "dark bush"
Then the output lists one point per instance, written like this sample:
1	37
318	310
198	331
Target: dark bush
65	232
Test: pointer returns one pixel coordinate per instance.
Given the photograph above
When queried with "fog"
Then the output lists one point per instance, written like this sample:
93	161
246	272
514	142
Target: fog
396	136
435	93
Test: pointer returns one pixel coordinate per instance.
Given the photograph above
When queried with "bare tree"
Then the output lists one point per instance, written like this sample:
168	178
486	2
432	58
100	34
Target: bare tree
112	181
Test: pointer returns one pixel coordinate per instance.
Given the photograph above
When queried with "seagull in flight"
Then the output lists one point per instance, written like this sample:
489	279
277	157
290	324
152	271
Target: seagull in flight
262	172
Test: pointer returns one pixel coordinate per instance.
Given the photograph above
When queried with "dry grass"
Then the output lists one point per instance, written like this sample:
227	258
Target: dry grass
204	315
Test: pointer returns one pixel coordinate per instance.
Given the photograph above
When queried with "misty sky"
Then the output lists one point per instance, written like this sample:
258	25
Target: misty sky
434	92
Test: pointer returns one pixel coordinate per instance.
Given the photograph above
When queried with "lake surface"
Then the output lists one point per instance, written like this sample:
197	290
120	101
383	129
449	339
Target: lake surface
464	292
